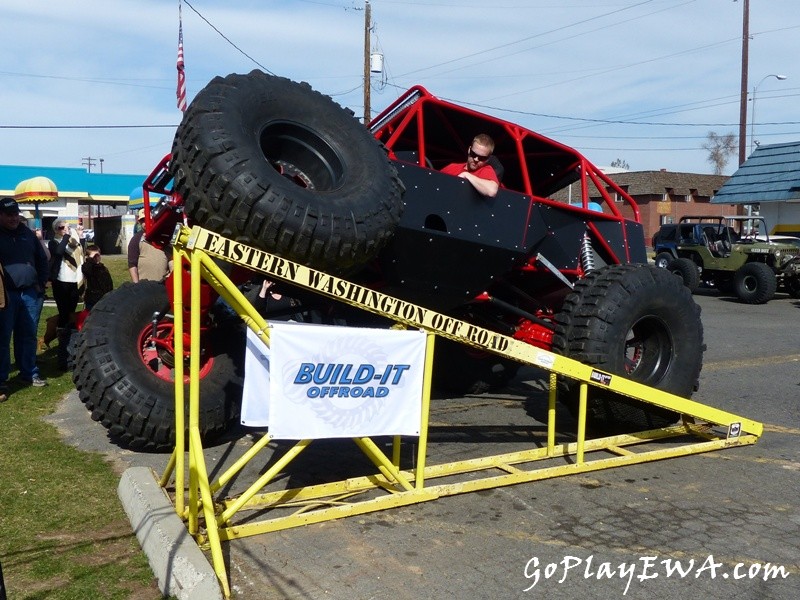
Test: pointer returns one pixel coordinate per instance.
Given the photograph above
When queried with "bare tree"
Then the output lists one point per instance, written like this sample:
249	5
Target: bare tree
620	163
720	149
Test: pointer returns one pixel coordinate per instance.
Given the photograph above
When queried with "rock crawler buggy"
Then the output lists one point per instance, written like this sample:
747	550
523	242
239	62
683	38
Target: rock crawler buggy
271	163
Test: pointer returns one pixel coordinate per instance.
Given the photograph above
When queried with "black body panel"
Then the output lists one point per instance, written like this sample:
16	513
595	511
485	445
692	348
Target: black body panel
452	243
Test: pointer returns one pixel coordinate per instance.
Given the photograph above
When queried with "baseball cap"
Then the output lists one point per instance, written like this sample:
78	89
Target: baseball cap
9	205
140	214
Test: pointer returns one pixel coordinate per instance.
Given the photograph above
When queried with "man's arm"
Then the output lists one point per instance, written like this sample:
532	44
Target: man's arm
42	264
133	257
58	249
487	187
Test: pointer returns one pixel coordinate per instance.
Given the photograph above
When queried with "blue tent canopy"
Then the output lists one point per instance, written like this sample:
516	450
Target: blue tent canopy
136	199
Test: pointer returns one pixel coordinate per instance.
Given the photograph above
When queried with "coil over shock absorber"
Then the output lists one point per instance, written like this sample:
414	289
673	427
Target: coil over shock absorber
587	254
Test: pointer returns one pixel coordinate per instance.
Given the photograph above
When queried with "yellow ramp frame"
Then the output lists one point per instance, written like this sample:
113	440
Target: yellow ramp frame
214	520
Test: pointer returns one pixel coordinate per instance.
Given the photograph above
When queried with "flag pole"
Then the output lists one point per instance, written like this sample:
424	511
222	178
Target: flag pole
181	90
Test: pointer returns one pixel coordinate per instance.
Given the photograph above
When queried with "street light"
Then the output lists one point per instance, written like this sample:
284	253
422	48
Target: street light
753	108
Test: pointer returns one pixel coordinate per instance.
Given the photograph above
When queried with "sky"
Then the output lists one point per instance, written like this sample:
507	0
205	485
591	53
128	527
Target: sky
92	83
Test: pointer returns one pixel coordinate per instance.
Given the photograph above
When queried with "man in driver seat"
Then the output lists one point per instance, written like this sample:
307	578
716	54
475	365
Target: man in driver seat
477	169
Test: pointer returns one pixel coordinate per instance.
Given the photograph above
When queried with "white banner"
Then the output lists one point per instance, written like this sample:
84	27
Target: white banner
319	381
255	396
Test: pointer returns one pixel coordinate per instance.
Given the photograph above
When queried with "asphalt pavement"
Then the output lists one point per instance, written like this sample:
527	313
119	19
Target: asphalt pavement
717	525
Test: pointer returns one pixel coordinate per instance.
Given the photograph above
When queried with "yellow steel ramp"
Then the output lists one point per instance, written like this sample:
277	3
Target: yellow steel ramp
212	520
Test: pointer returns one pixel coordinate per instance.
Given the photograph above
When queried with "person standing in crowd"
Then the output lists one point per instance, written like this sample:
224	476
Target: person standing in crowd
66	274
26	273
145	261
98	279
42	241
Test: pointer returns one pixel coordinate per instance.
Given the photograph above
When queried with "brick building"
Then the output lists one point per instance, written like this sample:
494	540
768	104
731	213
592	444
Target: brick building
664	196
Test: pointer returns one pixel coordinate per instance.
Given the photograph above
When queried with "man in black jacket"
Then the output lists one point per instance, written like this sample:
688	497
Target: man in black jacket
26	272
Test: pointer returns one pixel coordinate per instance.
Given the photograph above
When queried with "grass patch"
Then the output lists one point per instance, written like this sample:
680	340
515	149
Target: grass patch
117	265
64	534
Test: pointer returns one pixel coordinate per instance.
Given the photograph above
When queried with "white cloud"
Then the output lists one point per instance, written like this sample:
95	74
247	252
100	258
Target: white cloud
531	61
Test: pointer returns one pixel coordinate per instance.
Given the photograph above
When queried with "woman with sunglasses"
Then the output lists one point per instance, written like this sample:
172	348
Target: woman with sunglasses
477	169
66	273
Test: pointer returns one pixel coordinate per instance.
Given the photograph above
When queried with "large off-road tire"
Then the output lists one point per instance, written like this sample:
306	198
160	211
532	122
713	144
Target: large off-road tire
634	320
792	285
73	344
663	259
271	163
126	381
687	271
755	283
723	281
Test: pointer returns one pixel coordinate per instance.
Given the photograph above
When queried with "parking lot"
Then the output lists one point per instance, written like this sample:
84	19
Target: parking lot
717	525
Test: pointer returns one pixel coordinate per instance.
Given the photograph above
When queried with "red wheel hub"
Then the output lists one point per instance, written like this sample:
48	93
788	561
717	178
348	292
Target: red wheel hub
156	346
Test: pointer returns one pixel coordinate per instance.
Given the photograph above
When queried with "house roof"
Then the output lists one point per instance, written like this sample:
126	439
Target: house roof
641	183
646	183
771	174
71	181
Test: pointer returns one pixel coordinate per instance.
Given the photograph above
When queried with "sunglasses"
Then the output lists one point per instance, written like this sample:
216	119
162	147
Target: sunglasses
62	226
472	154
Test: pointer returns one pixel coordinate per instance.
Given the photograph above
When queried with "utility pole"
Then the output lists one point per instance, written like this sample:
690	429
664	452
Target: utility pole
367	20
89	162
101	165
743	99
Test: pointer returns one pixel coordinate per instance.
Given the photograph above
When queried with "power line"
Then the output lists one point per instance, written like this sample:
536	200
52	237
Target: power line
88	162
603	121
565	39
588	122
224	37
617	149
122	82
173	126
525	39
613	69
661	137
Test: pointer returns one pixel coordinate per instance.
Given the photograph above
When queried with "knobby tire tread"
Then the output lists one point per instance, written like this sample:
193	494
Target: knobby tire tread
591	329
134	404
230	187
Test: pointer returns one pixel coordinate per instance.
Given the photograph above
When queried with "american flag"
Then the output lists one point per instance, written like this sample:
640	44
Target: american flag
181	92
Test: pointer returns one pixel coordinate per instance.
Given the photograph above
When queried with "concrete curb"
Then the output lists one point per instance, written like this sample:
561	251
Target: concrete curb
179	565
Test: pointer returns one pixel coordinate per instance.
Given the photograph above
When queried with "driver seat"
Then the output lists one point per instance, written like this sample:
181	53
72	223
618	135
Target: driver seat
498	167
714	245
